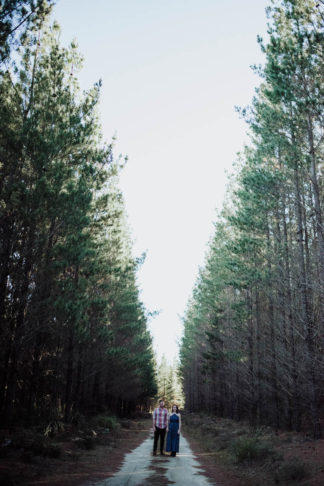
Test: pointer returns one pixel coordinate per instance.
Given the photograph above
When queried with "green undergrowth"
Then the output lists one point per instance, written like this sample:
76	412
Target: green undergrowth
255	455
109	422
292	470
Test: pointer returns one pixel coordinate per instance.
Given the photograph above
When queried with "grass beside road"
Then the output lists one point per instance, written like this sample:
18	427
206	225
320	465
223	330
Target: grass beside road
236	454
68	455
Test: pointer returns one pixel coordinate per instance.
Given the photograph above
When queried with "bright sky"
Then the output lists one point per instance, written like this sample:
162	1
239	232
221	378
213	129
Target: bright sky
172	72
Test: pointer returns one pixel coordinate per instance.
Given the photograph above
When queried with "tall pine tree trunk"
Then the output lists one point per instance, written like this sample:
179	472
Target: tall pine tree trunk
305	312
251	372
294	406
273	340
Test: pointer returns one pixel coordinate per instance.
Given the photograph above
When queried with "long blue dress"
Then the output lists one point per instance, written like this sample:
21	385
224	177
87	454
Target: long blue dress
173	437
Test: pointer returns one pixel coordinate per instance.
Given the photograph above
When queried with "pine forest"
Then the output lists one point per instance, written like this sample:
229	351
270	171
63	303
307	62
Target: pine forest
74	336
253	338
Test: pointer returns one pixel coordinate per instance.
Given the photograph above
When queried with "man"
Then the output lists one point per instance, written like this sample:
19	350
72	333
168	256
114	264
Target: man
160	426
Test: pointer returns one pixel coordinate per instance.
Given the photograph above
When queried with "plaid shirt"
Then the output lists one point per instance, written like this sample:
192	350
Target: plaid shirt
160	416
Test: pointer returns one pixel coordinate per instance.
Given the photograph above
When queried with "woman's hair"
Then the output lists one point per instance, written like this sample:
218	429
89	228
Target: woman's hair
174	405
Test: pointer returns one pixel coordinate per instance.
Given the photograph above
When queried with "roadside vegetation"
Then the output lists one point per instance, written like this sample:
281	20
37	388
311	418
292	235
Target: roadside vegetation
250	456
60	454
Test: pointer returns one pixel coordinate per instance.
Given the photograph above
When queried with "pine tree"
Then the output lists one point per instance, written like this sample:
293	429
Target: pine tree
74	334
253	334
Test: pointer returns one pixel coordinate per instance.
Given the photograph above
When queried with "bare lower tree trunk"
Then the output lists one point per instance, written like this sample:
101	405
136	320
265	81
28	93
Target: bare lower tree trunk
305	313
251	377
294	406
69	375
259	357
273	341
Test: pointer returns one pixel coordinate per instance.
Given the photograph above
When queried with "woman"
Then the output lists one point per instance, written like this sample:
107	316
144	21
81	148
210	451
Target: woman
174	427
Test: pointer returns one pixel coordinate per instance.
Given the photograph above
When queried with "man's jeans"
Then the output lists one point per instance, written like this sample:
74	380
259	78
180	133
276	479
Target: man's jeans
159	433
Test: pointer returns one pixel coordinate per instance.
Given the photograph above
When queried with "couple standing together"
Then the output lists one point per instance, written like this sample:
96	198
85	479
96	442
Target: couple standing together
162	423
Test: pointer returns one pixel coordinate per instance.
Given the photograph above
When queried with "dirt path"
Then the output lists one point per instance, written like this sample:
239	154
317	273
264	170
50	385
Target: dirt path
140	468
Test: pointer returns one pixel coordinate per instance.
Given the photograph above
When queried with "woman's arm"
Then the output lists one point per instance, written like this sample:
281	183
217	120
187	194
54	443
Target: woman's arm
179	423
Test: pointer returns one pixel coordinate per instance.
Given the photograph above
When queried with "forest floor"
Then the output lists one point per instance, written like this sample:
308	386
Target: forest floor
71	456
230	453
236	454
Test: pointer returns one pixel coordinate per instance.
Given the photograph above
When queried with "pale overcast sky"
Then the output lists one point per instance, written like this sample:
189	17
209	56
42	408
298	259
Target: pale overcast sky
172	72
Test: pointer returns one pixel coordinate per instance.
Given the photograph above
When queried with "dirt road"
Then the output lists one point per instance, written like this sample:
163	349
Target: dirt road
140	468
